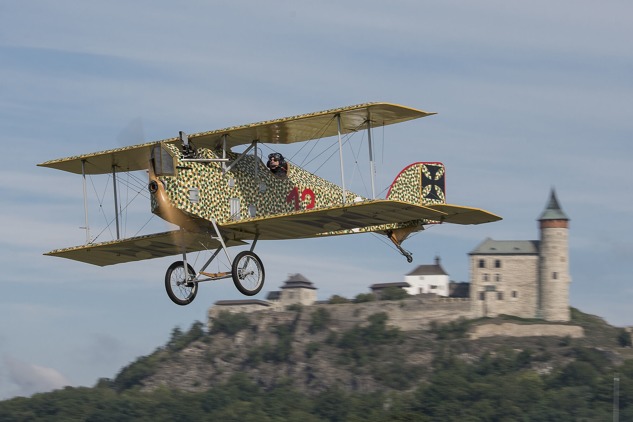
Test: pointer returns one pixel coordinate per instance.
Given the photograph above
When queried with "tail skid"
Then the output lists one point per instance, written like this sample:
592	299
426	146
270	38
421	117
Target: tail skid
394	238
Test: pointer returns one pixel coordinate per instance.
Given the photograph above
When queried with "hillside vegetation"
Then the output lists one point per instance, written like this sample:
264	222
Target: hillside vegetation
302	364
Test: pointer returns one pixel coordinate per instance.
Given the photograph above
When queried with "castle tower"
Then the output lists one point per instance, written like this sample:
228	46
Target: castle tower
554	279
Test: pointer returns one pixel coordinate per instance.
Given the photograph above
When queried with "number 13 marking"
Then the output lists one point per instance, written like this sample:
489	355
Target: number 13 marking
293	196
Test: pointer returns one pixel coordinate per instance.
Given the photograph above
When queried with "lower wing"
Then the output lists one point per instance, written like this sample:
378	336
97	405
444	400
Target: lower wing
139	248
336	220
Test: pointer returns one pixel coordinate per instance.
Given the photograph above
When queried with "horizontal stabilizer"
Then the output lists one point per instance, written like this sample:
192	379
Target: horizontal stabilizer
458	214
138	248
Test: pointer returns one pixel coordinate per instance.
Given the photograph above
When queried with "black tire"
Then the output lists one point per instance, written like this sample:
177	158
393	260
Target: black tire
178	289
248	273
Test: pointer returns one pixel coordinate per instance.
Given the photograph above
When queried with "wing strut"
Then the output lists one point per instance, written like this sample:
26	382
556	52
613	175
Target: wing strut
86	225
116	202
340	153
372	169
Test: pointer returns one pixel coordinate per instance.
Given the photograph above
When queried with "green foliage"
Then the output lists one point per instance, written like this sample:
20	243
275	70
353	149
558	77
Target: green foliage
336	299
229	323
594	357
565	341
278	352
624	338
397	374
364	297
180	340
451	330
359	342
393	293
319	319
485	380
133	374
296	307
456	391
311	349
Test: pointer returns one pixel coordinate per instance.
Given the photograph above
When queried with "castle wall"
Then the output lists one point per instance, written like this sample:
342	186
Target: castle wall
506	284
407	314
532	330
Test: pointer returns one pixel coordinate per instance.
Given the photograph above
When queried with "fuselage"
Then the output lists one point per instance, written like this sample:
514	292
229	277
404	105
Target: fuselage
192	193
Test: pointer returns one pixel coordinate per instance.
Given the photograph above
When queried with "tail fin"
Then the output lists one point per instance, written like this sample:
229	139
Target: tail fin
420	184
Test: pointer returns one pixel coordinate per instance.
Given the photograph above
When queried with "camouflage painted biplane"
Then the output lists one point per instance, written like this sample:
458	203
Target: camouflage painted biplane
219	198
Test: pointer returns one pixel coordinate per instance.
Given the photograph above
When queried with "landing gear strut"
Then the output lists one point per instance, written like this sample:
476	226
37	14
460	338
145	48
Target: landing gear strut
247	272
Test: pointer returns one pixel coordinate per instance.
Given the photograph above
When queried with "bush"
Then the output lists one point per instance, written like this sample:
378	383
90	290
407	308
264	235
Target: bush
336	299
229	323
393	293
180	340
451	330
320	318
364	297
624	338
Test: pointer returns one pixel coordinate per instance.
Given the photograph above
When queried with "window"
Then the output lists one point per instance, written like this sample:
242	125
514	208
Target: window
482	263
234	205
433	287
500	295
515	294
486	277
497	277
555	275
482	295
497	263
162	161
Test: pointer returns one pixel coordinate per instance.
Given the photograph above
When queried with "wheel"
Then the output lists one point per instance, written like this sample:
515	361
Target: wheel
179	289
248	273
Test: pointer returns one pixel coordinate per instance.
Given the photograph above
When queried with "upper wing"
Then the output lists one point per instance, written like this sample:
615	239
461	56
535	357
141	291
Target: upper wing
319	222
141	247
286	130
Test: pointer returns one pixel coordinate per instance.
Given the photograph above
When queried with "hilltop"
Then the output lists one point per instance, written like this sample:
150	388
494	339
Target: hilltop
304	362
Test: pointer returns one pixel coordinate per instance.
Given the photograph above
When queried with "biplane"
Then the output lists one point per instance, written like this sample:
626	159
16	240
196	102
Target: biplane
220	198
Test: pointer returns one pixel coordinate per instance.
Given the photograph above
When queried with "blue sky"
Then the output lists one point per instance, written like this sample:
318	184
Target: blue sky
529	96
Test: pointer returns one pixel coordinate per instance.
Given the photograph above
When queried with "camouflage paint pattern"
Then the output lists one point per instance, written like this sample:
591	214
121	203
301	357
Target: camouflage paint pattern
265	194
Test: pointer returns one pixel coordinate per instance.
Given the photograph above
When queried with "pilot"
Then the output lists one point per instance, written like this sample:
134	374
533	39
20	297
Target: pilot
277	164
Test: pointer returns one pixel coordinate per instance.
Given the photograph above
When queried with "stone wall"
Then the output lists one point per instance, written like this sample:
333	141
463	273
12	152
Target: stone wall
407	314
520	330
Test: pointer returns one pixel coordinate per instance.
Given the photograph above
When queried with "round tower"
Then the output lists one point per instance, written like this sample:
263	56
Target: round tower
554	276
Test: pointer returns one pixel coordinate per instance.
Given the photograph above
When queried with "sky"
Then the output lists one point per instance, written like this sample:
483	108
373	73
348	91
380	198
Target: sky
530	96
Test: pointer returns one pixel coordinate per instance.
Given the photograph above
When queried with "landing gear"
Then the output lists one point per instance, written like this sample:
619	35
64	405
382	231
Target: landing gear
248	273
180	285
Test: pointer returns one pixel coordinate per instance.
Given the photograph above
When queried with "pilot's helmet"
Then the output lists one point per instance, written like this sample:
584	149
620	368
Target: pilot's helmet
276	156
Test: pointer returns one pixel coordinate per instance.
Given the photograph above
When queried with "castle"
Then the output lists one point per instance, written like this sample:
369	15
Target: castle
524	278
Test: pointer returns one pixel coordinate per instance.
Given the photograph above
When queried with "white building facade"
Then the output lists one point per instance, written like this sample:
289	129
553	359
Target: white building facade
428	279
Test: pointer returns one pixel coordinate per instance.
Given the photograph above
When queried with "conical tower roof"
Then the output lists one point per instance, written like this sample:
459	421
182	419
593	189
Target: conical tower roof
553	210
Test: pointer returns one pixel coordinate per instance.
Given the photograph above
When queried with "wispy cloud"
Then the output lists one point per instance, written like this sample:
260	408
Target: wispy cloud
24	378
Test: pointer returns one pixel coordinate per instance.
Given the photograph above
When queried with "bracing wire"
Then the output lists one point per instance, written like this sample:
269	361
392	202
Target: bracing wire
134	185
